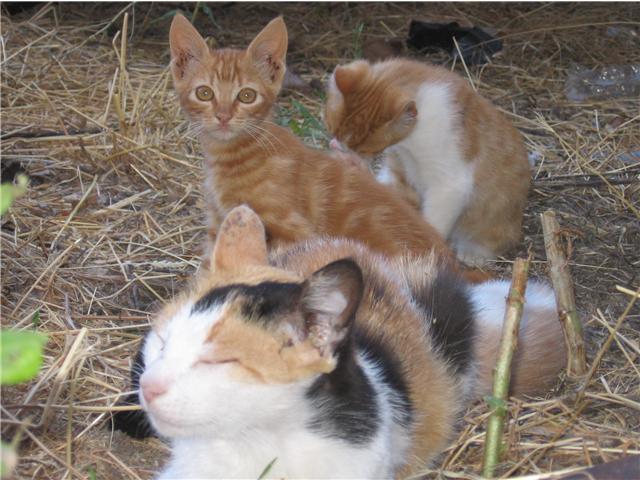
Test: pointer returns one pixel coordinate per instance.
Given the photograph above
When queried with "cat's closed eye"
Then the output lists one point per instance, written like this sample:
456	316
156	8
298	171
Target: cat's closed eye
204	93
247	95
215	361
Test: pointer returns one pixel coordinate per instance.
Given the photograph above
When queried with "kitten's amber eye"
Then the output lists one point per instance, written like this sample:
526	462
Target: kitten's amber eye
247	95
204	93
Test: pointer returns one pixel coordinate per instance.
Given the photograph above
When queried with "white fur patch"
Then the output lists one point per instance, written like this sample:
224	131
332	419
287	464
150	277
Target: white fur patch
385	175
489	300
432	158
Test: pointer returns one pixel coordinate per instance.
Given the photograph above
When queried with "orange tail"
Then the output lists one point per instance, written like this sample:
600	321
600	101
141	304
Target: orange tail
541	353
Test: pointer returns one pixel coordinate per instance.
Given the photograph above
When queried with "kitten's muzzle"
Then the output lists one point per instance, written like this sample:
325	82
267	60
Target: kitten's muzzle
223	118
152	389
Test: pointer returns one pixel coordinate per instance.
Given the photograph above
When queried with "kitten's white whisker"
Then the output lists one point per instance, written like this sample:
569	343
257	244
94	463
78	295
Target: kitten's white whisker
266	132
260	135
255	135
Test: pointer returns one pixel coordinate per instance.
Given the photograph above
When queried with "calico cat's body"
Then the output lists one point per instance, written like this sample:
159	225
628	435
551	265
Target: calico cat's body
298	192
462	156
334	361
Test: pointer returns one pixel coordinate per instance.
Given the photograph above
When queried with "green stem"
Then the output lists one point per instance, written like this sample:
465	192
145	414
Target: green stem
502	372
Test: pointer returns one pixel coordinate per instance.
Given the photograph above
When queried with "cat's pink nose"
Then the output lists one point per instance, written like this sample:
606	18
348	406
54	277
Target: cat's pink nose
223	118
335	144
151	389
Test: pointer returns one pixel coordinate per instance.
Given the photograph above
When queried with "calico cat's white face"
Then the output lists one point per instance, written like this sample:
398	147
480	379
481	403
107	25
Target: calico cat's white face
187	389
241	349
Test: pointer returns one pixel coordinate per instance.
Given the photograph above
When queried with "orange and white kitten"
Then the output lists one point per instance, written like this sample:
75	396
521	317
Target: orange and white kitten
332	360
297	191
463	157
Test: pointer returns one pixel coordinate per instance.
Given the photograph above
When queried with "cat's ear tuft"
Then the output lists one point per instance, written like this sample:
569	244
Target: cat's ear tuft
330	300
187	47
241	241
268	51
347	77
410	112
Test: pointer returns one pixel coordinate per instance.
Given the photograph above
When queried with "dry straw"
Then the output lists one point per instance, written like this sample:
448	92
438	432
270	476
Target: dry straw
112	222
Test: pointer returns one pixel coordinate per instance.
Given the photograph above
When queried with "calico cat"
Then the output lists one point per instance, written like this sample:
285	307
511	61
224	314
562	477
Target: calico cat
298	192
326	359
463	157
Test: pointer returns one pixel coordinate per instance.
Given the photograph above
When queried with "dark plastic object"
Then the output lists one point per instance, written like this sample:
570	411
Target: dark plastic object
476	45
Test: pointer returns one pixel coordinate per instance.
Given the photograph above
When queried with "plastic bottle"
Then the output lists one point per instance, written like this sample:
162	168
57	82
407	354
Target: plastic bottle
610	81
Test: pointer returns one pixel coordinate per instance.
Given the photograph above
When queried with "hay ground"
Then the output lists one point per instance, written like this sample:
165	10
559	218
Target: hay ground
112	222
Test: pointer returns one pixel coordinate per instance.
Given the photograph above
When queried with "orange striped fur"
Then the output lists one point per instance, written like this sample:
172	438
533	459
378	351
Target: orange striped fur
297	191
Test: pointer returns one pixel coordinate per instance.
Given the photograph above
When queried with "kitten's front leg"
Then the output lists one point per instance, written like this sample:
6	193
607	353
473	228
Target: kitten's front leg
443	204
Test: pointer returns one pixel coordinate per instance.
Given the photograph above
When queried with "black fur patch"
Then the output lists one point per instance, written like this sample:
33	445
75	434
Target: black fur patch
346	401
135	422
448	309
260	302
392	376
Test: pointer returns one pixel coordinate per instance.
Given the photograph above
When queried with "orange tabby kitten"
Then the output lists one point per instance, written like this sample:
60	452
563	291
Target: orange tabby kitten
464	159
298	192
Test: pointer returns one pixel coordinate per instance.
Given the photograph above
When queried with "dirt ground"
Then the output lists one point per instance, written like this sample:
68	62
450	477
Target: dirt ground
112	222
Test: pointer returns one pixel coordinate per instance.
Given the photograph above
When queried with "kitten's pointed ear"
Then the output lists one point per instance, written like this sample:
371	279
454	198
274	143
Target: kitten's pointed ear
268	50
329	303
346	77
240	242
187	47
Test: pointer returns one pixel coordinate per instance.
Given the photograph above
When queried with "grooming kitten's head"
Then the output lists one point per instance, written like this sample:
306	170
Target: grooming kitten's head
241	348
364	111
227	92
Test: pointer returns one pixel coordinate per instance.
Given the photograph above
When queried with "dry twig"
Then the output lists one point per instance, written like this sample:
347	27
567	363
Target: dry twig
565	297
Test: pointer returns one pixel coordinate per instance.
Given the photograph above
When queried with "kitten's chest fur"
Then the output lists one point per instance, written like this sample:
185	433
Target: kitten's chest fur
432	154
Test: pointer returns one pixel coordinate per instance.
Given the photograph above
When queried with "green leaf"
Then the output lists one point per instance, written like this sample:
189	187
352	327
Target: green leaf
307	116
21	355
295	128
91	473
267	469
9	192
357	41
209	13
35	319
166	16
